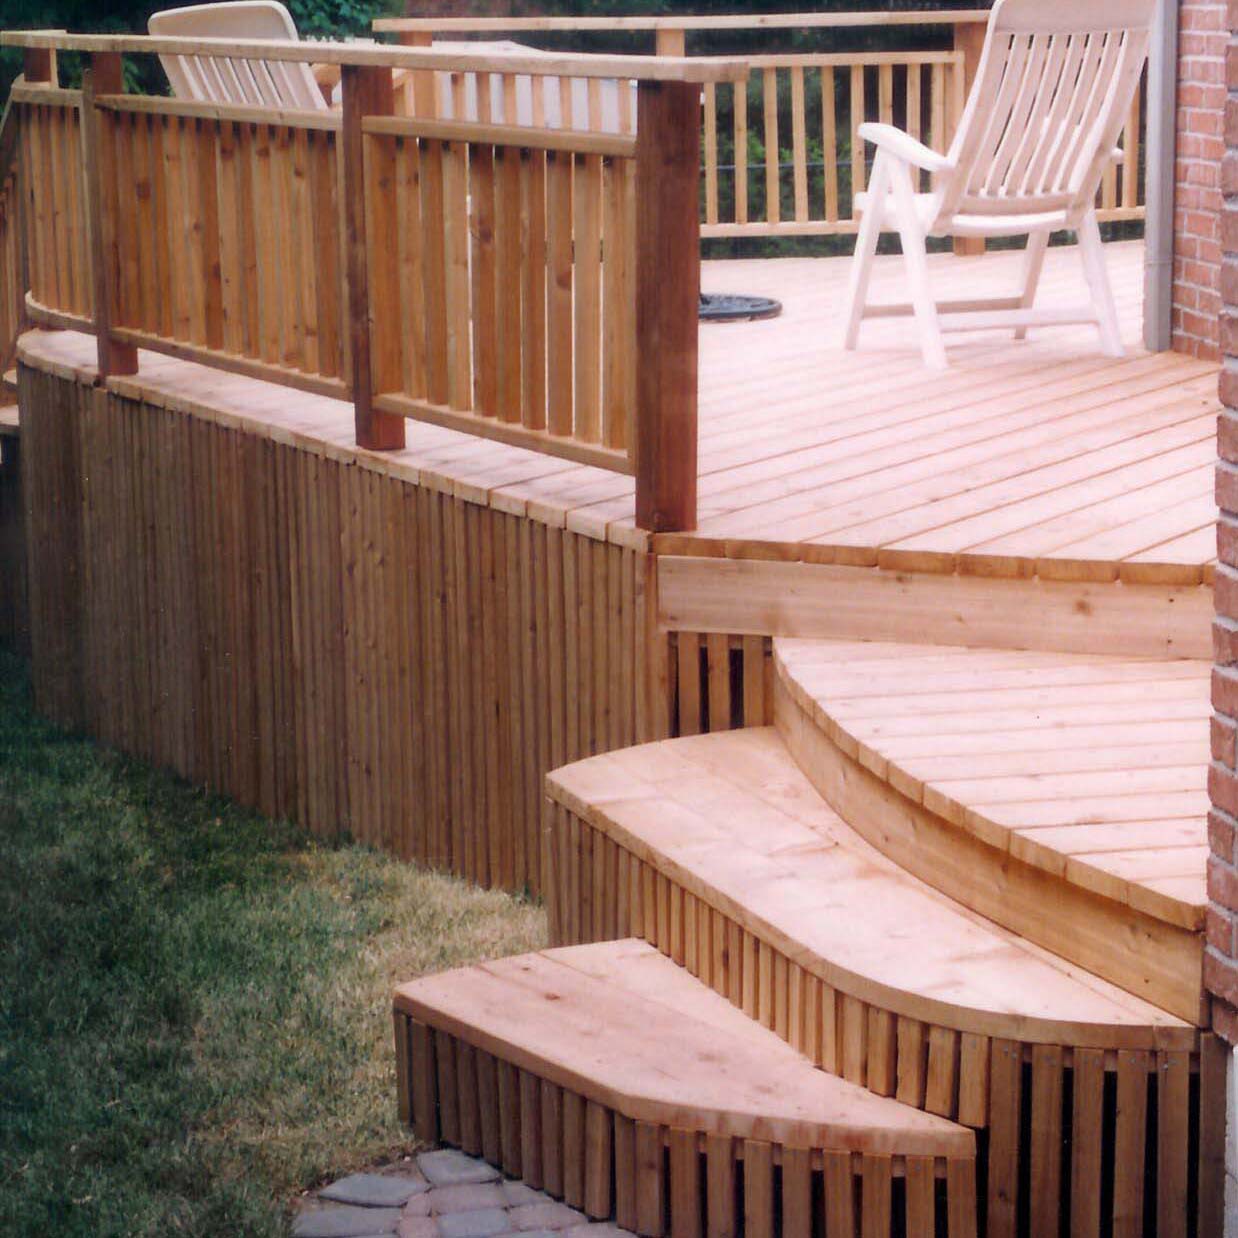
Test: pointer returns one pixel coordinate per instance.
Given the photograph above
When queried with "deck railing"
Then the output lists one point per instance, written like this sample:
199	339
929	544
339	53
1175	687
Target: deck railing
498	278
781	151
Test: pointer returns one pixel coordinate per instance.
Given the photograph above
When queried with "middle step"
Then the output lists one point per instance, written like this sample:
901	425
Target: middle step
718	850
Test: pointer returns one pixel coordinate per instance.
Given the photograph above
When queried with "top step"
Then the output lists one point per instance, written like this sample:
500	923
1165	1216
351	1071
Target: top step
1063	795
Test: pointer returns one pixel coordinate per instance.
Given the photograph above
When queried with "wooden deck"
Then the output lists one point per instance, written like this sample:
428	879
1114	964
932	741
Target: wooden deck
1035	458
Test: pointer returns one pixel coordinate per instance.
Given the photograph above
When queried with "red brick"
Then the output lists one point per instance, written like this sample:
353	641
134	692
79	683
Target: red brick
1225	1021
1219	930
1221	976
1222	884
1222	740
1221	832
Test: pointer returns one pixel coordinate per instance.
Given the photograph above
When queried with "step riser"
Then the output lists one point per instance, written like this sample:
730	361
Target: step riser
659	1180
1158	962
597	889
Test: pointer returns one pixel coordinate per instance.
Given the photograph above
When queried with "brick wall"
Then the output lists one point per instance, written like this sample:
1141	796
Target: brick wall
1203	32
1221	954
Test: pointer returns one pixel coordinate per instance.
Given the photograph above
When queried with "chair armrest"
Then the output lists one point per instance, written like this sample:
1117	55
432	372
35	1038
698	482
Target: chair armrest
903	146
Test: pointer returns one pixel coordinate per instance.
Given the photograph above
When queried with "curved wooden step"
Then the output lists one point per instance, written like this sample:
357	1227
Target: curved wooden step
718	850
575	1068
733	822
1061	795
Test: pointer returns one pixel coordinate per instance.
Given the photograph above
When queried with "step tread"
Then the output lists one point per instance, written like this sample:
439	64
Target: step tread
733	818
1088	767
621	1024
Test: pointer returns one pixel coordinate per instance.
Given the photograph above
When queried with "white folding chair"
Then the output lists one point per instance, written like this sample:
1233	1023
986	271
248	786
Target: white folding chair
1052	91
222	79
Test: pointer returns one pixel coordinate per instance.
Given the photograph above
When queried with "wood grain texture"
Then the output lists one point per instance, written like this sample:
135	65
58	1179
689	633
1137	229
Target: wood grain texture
238	610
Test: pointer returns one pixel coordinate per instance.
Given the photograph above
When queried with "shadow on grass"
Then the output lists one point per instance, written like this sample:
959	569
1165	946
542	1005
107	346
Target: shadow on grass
194	1018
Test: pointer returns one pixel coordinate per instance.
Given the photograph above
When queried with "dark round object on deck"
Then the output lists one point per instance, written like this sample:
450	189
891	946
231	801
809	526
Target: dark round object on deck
734	307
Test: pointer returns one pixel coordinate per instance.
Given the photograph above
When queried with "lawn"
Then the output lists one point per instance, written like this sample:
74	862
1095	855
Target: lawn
194	1020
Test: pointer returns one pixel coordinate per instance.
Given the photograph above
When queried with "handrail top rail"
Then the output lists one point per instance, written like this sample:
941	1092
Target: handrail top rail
679	21
692	69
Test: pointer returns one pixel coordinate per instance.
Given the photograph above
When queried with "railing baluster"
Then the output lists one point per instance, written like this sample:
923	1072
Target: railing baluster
858	178
799	143
711	153
773	203
829	143
740	117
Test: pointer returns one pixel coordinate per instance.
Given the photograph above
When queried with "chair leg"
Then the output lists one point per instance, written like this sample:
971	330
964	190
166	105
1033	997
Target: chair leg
915	255
1033	264
1092	250
865	252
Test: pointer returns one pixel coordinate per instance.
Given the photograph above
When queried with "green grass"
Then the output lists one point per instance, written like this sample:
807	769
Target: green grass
194	1006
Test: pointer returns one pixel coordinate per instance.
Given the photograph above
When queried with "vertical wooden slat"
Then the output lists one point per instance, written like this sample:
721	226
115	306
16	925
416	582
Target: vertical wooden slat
799	143
599	1152
1214	1057
758	1189
533	273
685	1187
829	142
920	1205
773	179
625	1172
1005	1105
587	221
875	1202
1129	1140
711	153
796	1193
559	392
740	124
857	143
1046	1150
1086	1150
1173	1082
650	1181
366	92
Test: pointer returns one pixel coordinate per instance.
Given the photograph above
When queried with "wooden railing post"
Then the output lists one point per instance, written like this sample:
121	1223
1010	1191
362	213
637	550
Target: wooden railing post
670	42
969	39
668	283
367	91
105	76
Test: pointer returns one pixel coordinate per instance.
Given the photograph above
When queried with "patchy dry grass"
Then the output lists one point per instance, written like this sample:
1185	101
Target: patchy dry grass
194	1019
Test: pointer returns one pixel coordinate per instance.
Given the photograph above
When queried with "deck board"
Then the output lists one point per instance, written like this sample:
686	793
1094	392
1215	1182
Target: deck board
1035	458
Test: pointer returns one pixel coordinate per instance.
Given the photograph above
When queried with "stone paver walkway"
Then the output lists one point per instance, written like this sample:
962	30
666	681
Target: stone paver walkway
440	1194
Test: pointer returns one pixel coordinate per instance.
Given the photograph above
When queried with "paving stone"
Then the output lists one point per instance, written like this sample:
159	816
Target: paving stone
518	1194
546	1215
447	1167
471	1197
599	1229
346	1221
417	1227
374	1190
484	1223
419	1205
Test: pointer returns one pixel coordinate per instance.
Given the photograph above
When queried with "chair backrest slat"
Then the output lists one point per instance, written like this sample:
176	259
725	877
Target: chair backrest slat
1052	93
220	79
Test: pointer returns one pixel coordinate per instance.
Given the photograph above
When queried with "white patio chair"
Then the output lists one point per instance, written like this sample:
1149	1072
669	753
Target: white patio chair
1052	91
219	79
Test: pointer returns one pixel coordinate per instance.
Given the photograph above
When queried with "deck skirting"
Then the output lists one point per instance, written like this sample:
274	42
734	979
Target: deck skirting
319	639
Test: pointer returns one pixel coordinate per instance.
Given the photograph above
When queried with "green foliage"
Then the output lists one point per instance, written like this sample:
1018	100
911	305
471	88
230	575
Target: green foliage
195	1019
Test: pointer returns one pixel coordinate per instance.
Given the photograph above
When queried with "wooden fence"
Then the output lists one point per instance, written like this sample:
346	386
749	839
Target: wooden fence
781	154
498	278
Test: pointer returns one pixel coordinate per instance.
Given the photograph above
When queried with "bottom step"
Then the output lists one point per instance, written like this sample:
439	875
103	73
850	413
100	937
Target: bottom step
609	1077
